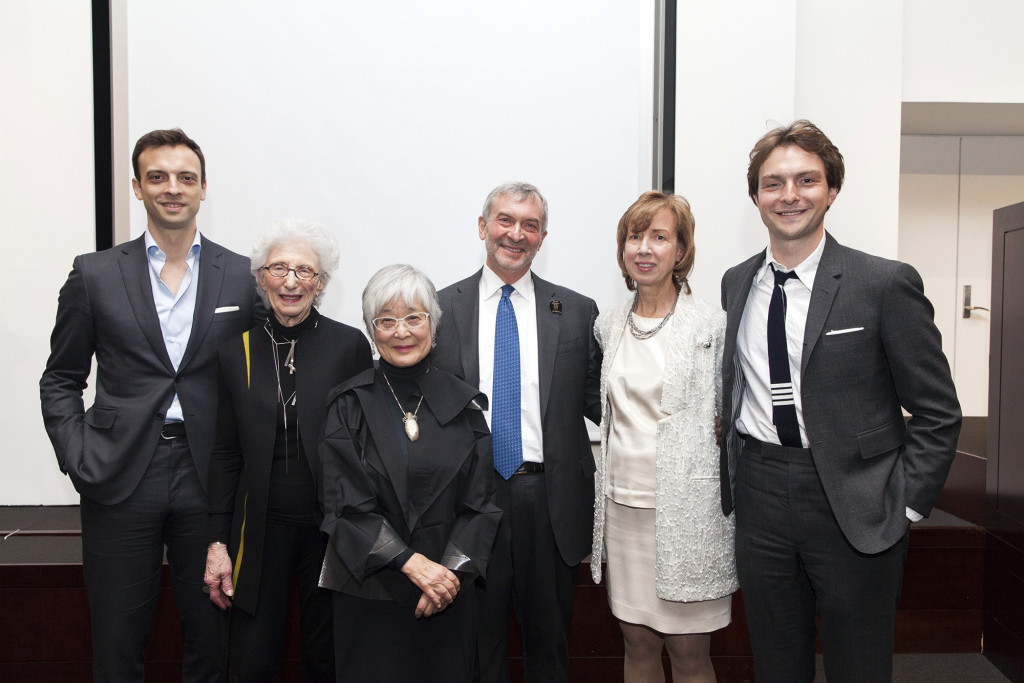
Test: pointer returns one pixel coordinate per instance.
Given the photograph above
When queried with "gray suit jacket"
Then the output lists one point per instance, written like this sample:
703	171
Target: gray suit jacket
570	376
106	308
872	463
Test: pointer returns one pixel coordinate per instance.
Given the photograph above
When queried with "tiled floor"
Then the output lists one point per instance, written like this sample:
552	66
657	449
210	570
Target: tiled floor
941	668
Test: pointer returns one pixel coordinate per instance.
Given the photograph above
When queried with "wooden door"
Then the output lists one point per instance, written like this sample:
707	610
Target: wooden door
1004	516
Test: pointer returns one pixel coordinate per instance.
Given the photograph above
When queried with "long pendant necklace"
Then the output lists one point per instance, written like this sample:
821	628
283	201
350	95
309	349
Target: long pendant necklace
645	334
412	425
289	363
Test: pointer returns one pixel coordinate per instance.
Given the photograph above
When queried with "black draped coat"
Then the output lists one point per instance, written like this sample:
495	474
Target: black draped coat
383	495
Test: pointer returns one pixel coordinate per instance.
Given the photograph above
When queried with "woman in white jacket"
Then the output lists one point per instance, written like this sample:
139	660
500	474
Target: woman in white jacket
658	516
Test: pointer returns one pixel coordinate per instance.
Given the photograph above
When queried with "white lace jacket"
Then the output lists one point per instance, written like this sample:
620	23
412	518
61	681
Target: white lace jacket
695	556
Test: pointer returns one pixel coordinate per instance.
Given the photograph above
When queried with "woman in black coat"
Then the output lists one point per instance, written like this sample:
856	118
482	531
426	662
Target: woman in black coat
408	490
264	517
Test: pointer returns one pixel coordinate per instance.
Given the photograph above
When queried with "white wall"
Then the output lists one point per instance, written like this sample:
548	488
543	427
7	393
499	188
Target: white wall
949	187
957	51
929	206
742	73
47	186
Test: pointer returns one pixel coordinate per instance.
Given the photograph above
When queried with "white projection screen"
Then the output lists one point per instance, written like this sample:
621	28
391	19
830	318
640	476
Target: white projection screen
389	122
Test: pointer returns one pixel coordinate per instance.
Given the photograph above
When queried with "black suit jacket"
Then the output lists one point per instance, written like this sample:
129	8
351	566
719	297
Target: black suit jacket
854	384
570	379
325	356
106	308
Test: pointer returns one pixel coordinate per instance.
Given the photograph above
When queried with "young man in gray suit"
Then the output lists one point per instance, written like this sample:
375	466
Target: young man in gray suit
825	346
153	312
529	346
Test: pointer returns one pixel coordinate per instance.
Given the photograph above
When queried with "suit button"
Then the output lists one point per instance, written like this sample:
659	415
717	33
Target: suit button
160	416
178	378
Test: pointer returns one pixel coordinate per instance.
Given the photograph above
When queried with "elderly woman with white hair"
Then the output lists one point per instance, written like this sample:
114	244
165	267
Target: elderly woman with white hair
407	495
264	521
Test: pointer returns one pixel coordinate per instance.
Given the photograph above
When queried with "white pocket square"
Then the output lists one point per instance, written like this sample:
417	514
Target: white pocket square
848	330
231	309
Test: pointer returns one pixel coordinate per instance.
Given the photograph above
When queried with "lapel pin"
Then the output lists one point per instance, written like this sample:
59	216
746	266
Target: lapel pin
556	306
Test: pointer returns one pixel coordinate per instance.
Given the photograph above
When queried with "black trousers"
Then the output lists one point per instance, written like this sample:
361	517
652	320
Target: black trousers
526	573
794	562
122	554
257	641
382	641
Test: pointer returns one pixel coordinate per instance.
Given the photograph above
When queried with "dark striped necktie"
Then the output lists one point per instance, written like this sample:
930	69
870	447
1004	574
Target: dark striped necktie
783	405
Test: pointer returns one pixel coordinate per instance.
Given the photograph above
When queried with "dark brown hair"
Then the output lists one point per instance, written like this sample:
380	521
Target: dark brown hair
167	138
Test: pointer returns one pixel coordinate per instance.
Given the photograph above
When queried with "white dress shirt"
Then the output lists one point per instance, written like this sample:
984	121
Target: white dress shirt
525	306
174	310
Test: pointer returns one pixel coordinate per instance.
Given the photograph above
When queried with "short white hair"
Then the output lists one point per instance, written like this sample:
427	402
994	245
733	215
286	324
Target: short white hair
289	230
399	282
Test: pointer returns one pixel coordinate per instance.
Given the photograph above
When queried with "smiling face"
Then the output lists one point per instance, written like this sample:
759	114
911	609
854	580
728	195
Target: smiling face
289	297
650	256
170	187
793	196
402	346
512	235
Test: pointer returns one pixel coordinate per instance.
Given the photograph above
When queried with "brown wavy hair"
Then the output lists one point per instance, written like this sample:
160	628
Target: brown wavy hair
807	137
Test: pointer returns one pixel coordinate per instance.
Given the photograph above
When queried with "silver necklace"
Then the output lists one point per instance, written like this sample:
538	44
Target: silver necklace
412	425
645	334
289	362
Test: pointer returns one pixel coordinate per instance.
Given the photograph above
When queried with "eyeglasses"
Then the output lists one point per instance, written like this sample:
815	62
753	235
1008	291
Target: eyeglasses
412	321
282	270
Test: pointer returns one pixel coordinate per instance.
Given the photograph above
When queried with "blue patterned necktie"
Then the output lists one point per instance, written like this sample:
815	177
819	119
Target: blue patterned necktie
783	405
506	433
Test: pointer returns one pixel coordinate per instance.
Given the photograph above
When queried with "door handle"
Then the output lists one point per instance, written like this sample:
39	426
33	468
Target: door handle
967	303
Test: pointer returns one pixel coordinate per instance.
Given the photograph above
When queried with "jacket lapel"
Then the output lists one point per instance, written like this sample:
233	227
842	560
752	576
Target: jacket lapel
826	284
736	302
263	390
135	275
378	418
466	317
211	277
547	337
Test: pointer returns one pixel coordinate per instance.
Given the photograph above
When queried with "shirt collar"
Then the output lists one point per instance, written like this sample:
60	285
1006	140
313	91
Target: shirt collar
806	270
153	248
491	284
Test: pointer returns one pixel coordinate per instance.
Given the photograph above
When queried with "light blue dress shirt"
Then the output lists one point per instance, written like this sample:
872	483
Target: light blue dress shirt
175	311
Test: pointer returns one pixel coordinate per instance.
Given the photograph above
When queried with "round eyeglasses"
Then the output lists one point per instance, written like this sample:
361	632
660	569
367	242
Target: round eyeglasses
282	270
412	321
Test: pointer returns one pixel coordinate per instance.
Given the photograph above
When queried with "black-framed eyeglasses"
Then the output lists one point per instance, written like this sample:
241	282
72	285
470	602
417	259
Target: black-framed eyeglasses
412	321
282	270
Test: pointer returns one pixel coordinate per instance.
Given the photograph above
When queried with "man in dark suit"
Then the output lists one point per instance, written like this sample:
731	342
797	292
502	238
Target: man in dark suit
529	346
153	311
824	472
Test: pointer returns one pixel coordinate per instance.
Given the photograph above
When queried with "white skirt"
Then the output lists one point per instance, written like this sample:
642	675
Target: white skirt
629	545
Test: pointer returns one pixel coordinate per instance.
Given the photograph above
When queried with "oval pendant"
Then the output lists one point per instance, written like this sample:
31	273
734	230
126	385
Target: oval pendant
412	427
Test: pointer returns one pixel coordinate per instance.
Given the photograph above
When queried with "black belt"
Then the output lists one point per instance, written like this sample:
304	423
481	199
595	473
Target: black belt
172	430
530	468
774	451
